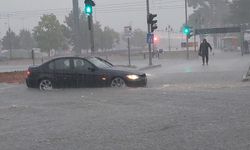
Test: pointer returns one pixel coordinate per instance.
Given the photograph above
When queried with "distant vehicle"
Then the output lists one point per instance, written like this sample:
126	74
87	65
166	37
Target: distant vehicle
81	72
3	58
4	55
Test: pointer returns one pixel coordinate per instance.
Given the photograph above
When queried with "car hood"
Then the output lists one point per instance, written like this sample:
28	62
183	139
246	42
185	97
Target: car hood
122	70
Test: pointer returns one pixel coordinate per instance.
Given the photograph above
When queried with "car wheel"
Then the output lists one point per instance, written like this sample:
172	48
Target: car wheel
45	85
118	83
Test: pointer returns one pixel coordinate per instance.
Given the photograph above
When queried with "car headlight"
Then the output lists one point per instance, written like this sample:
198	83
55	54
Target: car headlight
133	77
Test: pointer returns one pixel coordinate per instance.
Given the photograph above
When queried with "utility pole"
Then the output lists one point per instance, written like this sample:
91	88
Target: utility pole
9	37
76	27
186	22
149	43
10	42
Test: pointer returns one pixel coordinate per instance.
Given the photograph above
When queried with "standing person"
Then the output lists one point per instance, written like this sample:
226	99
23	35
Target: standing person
203	52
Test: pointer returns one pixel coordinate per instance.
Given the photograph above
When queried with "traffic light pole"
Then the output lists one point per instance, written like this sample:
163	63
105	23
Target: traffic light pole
149	43
91	29
186	20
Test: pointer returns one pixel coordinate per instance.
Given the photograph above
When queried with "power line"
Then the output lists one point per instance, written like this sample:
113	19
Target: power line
106	8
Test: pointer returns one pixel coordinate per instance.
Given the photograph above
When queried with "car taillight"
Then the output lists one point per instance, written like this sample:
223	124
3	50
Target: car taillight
28	73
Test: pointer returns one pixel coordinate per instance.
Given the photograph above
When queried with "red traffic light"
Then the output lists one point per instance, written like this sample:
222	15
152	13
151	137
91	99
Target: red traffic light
156	39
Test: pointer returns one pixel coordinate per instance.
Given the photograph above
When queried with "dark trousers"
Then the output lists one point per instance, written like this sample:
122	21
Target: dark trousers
205	57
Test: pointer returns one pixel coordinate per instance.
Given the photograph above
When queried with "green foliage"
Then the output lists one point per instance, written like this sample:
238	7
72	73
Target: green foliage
208	13
240	13
10	40
84	34
26	40
49	33
139	38
104	38
109	37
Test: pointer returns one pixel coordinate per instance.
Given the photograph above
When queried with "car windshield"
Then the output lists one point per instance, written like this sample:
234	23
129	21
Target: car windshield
99	63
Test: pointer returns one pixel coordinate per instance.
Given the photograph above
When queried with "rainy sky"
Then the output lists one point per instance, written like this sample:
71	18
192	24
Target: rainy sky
19	14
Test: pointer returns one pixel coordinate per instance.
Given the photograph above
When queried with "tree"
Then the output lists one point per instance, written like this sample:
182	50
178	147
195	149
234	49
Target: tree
26	40
139	38
109	37
49	34
240	13
103	38
66	35
84	33
10	40
208	13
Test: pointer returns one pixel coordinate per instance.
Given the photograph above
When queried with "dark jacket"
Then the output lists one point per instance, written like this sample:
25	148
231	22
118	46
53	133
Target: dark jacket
204	48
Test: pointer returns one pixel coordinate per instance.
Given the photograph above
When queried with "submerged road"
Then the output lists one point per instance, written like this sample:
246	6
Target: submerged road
186	106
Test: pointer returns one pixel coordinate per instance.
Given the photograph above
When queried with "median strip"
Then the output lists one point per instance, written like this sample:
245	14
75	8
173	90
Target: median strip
13	77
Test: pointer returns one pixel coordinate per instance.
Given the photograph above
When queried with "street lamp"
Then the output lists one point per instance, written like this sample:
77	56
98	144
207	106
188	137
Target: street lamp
169	29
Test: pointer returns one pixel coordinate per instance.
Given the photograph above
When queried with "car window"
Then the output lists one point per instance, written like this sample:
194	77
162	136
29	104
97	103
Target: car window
99	63
62	64
81	64
51	66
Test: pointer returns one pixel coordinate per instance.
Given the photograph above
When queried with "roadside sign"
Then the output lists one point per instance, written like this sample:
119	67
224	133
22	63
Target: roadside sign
128	31
150	38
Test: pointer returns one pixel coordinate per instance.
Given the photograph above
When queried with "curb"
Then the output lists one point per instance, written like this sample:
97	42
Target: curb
150	67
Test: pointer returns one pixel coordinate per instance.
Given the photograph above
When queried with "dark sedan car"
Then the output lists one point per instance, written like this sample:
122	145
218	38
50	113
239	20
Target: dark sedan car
82	72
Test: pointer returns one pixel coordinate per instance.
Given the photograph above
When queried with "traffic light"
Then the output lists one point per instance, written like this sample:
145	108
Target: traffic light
152	22
186	30
156	39
88	6
190	34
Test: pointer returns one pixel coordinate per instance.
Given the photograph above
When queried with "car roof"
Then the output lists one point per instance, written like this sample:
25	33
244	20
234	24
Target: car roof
68	57
71	57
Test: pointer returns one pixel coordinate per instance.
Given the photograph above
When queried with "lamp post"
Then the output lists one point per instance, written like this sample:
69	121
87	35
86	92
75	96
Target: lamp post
169	29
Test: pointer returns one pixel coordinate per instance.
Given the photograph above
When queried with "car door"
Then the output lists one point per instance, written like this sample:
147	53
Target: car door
79	72
83	72
63	73
87	74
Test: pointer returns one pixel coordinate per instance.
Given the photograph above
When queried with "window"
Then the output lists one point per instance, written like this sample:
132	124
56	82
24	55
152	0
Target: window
62	64
51	66
81	64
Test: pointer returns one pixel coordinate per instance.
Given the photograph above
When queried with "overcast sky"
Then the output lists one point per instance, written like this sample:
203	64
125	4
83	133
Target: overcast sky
113	13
